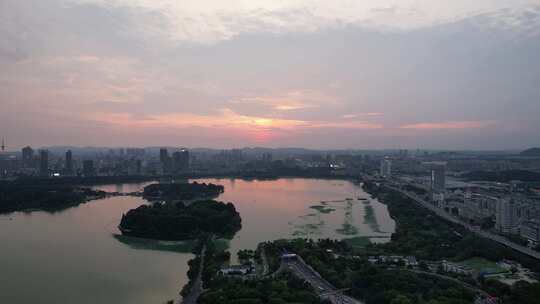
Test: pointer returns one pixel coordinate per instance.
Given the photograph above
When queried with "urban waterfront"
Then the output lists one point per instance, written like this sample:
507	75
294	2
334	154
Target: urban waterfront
79	247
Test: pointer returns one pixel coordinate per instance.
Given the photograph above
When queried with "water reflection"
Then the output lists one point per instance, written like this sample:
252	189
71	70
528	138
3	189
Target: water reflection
77	256
123	188
145	244
73	257
293	207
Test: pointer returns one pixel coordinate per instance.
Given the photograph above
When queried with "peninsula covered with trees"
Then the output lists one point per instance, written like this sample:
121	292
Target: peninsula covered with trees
20	196
179	221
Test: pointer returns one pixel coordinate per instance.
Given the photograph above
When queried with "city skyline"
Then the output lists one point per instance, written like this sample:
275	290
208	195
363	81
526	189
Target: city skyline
346	75
396	151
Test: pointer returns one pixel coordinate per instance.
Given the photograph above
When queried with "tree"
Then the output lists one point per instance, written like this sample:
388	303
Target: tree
514	269
401	299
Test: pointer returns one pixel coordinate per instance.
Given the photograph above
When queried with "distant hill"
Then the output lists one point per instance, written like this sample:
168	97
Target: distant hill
531	152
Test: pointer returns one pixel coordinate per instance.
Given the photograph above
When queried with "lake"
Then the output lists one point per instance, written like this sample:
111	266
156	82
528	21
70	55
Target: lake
74	256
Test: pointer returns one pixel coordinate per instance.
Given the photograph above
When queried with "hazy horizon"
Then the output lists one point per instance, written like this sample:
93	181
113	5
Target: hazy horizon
437	75
409	150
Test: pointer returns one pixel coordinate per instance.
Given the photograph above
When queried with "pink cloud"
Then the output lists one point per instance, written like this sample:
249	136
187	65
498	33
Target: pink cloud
360	125
224	118
290	100
448	125
356	115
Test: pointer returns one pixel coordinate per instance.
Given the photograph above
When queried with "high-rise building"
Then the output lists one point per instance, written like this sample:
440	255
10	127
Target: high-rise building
27	156
69	162
165	160
138	167
386	168
506	219
88	168
236	155
44	163
438	176
403	153
163	155
135	152
181	160
267	157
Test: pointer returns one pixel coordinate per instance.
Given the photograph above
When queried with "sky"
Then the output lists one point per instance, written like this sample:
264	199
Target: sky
338	74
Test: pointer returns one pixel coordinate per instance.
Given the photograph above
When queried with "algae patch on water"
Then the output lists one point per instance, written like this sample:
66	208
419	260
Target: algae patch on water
323	209
370	218
308	229
347	229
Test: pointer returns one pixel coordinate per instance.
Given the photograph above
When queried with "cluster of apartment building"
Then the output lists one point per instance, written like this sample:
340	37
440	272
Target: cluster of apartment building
112	162
509	208
513	213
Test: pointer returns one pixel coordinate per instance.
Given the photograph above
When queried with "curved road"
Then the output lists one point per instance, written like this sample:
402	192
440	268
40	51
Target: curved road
197	287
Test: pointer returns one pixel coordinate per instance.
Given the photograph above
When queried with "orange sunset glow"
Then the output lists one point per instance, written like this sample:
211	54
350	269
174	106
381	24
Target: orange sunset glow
315	74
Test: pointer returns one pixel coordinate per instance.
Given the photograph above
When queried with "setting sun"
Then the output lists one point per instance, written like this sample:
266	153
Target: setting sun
263	122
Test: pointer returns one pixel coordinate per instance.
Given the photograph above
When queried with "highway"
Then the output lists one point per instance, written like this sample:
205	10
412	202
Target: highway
440	212
321	286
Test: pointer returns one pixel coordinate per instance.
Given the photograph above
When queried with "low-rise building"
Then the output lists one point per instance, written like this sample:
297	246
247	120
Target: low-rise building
411	261
237	270
394	259
455	268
